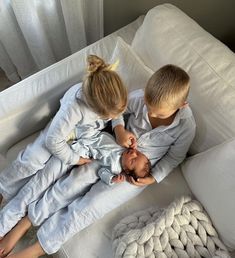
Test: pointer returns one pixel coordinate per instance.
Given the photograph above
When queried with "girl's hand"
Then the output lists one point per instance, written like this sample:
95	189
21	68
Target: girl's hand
125	138
148	180
83	161
118	179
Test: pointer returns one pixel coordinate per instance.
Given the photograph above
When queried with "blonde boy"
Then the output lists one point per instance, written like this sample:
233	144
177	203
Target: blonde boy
160	119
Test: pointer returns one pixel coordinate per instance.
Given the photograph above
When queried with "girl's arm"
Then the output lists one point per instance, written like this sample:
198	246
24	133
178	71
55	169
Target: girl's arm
124	137
61	126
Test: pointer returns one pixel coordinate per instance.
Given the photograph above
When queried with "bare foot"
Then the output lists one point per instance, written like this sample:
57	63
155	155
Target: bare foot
34	251
9	241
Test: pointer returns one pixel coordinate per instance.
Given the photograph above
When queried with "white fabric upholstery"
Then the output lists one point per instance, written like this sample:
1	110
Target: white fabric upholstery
133	71
211	177
170	36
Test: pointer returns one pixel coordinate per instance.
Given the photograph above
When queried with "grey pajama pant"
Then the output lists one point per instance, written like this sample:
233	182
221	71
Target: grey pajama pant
30	160
66	189
16	208
49	190
80	211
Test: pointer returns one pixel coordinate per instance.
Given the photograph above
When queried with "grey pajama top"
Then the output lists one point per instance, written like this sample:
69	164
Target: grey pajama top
73	116
165	146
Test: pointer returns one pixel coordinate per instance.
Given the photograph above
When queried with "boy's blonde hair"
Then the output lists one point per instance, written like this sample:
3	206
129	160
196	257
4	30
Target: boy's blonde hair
168	85
103	88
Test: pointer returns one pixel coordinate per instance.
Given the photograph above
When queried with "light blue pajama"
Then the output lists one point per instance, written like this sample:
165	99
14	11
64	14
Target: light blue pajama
75	183
66	189
16	208
71	186
73	115
82	212
166	146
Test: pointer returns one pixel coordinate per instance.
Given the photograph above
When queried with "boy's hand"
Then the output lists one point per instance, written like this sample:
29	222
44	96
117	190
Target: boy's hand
148	180
118	179
83	161
125	138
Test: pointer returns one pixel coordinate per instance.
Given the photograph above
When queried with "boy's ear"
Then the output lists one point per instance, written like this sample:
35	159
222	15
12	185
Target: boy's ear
184	105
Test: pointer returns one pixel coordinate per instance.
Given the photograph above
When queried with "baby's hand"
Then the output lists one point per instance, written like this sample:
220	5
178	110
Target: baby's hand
125	138
83	161
118	179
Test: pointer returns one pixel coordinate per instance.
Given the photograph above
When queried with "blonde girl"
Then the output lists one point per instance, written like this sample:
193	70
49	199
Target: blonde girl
85	110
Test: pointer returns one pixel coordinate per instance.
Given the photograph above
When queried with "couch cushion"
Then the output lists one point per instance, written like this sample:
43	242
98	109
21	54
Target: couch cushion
15	149
134	73
211	177
167	35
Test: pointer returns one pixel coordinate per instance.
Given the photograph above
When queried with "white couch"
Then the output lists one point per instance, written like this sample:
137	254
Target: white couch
164	35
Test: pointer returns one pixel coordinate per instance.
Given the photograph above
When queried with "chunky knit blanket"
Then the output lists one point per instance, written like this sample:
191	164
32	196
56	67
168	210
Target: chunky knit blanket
181	230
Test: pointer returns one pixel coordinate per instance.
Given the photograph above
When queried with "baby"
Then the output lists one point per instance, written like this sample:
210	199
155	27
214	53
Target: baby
133	163
117	162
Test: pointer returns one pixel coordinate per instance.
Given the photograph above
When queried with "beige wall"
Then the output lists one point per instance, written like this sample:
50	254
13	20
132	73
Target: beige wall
216	16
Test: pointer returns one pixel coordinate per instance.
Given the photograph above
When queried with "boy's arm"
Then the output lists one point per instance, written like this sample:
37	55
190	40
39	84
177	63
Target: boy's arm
170	160
175	155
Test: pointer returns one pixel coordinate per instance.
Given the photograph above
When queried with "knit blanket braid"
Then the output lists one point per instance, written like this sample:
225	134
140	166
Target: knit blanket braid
182	230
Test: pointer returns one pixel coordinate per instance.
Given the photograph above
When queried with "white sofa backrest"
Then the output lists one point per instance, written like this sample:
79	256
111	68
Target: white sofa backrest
27	106
168	35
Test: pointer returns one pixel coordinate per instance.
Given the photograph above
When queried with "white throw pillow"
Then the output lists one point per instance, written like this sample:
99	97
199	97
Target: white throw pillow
132	70
211	177
168	35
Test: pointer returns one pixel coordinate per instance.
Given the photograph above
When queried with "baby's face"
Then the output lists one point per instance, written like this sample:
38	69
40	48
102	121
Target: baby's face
134	160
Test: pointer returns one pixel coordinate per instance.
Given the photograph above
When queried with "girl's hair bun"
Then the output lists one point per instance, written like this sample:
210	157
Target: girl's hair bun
95	64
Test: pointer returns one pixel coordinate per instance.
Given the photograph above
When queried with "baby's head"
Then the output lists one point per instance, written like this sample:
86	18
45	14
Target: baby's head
135	164
103	88
166	91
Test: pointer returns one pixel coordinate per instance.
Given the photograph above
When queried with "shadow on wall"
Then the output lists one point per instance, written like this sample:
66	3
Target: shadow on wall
229	40
215	16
